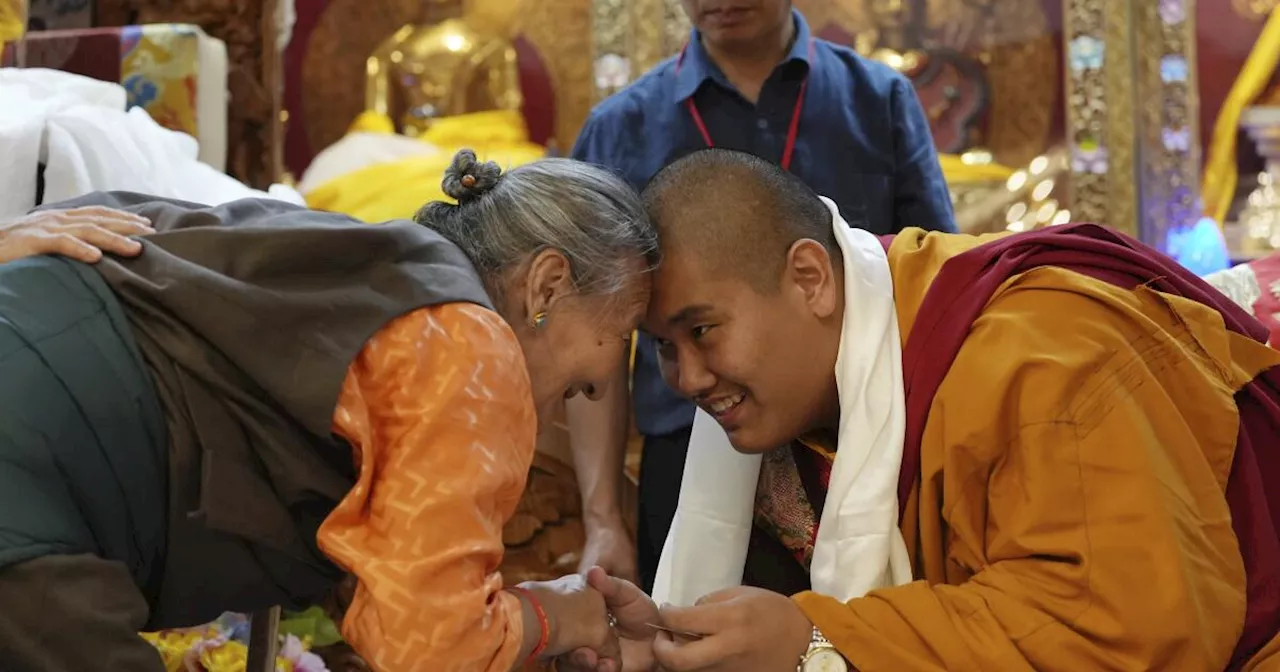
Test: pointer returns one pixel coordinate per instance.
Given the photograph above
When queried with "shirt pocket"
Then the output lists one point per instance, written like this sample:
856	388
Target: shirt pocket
866	202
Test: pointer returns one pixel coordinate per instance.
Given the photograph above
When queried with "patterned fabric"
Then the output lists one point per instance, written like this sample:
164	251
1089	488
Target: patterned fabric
223	646
783	509
1267	306
156	64
1254	286
439	411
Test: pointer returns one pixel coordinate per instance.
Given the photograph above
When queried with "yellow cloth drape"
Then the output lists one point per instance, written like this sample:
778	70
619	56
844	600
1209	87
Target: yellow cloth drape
1218	188
13	20
396	189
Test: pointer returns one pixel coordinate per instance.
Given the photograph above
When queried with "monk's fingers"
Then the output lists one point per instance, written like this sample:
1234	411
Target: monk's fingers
706	619
681	655
117	221
719	596
102	238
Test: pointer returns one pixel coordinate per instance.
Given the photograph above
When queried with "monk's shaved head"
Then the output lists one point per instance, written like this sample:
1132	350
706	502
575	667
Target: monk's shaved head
737	213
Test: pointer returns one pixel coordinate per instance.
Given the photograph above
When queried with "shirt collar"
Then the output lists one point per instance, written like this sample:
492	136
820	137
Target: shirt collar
698	68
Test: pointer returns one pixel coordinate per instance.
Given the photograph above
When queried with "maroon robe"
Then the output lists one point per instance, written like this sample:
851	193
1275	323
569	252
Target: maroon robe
965	284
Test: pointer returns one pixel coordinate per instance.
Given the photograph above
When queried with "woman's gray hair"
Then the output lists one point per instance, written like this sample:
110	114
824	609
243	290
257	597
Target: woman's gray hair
584	211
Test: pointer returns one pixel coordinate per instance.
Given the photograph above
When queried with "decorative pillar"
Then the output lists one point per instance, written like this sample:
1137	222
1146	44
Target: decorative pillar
1169	148
1132	111
1100	112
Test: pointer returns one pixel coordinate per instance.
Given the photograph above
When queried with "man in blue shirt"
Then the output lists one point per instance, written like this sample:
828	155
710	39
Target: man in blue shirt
752	78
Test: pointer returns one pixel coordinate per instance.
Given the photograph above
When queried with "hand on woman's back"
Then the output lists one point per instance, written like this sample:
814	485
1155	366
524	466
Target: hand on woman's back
82	234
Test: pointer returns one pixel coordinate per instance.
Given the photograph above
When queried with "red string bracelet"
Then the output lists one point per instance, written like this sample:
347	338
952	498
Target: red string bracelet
542	622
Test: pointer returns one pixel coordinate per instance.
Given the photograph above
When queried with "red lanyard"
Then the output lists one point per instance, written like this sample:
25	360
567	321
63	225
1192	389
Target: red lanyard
793	128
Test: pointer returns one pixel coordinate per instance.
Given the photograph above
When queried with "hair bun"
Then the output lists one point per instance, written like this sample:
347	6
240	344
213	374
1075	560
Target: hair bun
467	178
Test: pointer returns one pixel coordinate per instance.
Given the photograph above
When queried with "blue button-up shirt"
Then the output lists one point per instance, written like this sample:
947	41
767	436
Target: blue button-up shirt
863	141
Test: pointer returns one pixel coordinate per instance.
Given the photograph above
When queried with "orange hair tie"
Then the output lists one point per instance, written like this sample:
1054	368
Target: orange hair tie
468	181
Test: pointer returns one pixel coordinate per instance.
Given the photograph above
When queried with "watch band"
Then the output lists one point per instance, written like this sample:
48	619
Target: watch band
817	642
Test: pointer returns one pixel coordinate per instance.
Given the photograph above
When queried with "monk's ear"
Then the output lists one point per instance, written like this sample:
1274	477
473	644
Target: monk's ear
810	272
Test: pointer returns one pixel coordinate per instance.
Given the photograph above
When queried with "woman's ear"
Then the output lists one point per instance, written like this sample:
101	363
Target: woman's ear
548	278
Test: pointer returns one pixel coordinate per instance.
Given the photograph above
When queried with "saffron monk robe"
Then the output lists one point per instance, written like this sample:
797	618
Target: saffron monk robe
1054	450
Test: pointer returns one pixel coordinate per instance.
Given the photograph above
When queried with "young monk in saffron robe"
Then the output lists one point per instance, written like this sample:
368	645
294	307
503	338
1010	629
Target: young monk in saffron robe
1042	451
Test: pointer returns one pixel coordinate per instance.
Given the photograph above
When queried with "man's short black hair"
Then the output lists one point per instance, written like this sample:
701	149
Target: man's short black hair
737	212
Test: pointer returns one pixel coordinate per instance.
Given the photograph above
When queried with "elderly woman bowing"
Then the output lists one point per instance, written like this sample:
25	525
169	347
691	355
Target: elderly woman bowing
268	398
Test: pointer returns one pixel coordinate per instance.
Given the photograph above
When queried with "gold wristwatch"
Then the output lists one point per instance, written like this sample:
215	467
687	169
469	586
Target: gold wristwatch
822	656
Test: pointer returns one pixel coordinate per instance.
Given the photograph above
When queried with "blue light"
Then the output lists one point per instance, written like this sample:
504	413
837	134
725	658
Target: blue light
1200	247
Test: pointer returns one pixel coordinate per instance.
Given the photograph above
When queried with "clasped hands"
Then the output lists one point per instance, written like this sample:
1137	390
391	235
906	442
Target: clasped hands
741	629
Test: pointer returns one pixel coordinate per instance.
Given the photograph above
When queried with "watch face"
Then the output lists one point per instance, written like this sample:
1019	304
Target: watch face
825	660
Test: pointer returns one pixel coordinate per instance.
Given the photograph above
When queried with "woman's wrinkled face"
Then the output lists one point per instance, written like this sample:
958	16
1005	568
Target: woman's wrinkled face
581	339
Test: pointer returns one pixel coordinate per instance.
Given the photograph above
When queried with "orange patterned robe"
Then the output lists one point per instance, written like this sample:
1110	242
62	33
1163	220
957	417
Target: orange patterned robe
439	412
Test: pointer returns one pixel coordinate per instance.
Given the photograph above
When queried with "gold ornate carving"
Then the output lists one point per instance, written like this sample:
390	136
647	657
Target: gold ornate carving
255	137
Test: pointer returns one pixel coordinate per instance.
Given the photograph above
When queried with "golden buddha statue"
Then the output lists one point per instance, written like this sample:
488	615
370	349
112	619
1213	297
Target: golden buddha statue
454	60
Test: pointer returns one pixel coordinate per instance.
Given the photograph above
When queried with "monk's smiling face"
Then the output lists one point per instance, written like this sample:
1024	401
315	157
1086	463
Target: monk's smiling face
760	362
747	303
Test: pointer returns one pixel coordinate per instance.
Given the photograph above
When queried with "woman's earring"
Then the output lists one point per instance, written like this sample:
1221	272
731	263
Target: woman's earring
539	320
